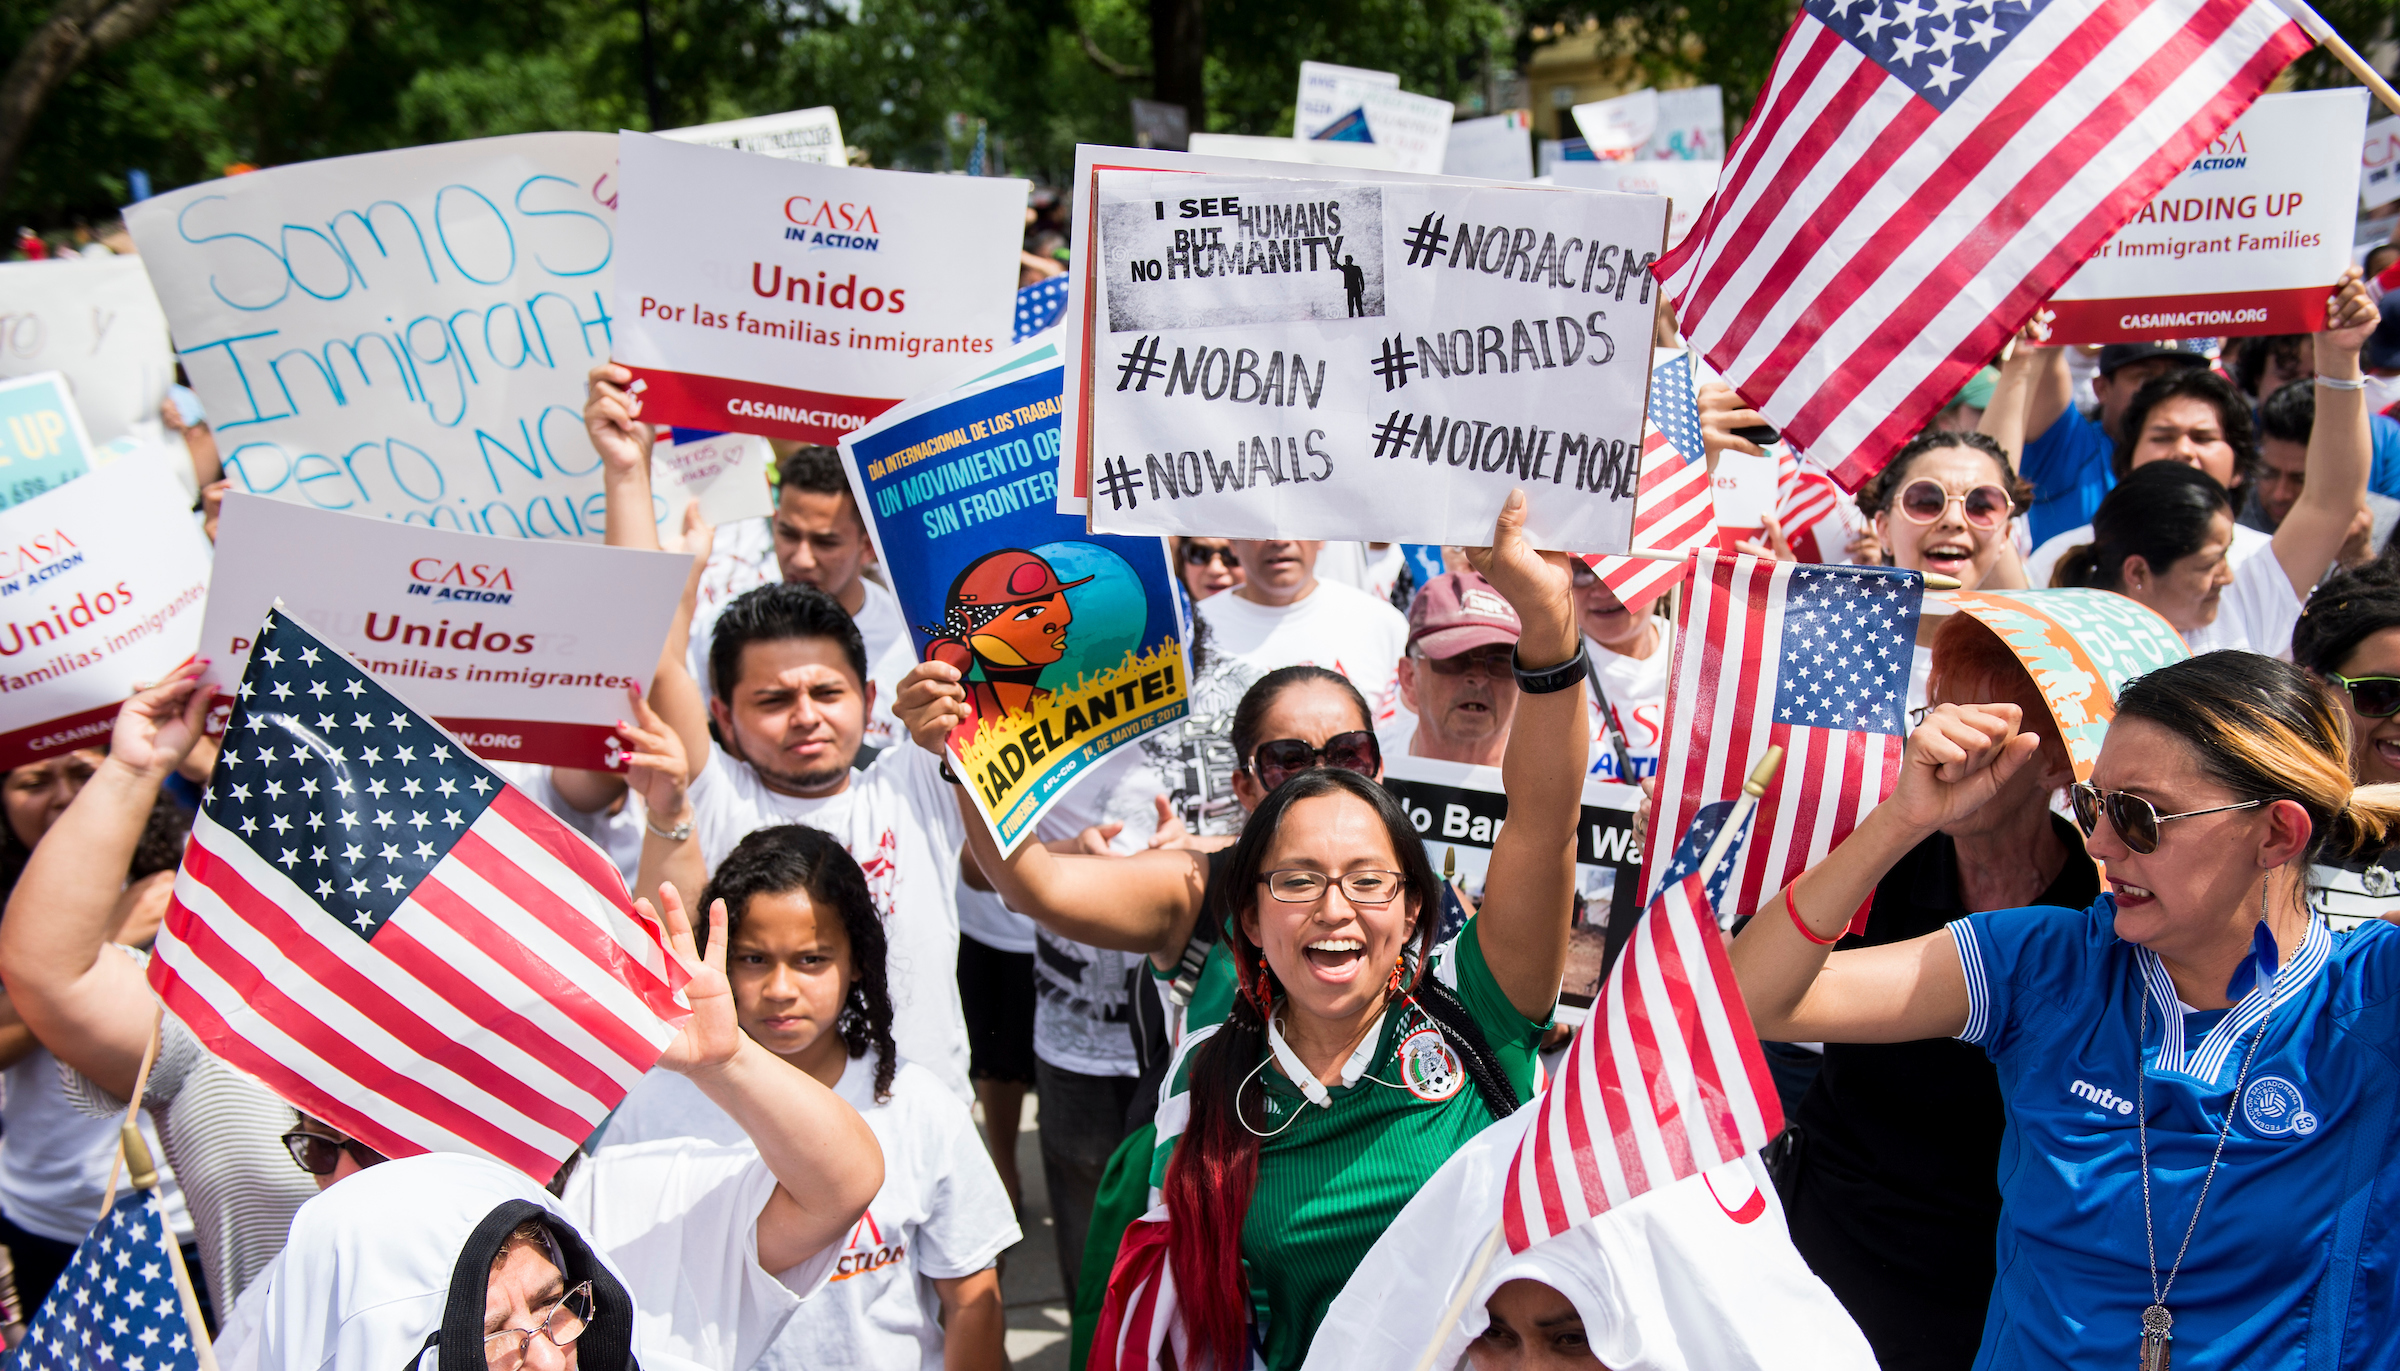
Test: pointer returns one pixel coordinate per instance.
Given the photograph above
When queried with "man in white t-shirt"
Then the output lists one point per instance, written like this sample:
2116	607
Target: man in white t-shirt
1632	651
1457	683
1282	615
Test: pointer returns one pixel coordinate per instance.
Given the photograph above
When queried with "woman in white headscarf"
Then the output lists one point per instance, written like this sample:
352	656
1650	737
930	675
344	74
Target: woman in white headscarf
667	1256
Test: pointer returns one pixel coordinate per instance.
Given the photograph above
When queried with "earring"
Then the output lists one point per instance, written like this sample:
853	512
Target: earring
1266	994
1394	986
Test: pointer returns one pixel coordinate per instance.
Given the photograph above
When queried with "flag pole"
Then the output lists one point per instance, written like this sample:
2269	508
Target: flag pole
143	1176
1465	1292
141	1087
2334	43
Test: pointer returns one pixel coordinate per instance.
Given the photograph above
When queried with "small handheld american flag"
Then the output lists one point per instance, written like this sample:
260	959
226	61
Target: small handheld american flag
373	924
1673	510
123	1303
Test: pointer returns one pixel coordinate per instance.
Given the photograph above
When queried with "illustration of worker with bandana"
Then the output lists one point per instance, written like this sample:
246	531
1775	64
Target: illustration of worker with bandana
1005	621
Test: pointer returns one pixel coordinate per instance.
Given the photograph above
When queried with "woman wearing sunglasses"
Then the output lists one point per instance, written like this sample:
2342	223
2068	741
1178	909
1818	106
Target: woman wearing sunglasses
2349	637
1344	1073
1207	565
1943	505
2196	1072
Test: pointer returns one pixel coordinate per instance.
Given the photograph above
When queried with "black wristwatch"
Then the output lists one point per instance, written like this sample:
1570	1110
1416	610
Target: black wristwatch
1565	676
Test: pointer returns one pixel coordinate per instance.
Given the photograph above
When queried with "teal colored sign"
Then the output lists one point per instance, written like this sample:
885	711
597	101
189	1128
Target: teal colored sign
42	442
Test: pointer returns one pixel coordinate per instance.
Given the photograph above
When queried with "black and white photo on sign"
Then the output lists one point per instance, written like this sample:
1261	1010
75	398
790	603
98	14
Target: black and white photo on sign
1292	358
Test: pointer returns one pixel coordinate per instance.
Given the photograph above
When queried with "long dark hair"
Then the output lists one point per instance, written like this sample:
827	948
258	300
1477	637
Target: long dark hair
787	857
2199	383
1214	1170
2160	513
1250	715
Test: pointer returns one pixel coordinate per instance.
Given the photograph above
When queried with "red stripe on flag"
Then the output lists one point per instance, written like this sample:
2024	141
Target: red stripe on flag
1666	1112
1745	1033
573	926
520	961
1739	748
1545	1161
1680	993
487	1010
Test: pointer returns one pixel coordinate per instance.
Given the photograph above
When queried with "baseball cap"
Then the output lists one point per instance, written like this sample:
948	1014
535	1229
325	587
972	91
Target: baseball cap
1458	611
2192	350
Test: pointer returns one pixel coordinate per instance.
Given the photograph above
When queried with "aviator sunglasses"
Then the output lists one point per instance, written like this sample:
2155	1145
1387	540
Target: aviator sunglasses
1278	761
1984	507
2374	697
2135	819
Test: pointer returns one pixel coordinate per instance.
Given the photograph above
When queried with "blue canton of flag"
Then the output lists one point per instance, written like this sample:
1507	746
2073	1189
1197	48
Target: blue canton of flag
1937	48
115	1307
1040	305
1694	847
344	789
1846	650
1673	408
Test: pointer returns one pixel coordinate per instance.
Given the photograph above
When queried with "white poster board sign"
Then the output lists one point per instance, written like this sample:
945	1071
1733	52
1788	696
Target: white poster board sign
1307	152
96	320
801	135
1687	184
1355	359
101	589
2378	165
724	473
807	299
1617	128
522	649
2247	239
401	334
1414	129
1499	148
1328	92
1691	126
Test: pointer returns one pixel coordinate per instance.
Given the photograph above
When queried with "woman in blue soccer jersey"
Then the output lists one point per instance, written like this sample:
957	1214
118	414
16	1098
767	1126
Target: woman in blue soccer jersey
2199	1077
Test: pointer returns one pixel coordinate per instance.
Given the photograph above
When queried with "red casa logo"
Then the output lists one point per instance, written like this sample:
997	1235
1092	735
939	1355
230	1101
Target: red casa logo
439	578
843	216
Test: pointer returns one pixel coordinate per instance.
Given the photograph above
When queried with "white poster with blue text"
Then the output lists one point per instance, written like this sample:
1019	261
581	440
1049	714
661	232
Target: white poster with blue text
402	335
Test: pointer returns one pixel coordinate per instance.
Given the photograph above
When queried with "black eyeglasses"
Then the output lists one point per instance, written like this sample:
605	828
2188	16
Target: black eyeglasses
2135	819
2374	697
1278	761
318	1155
1200	554
561	1326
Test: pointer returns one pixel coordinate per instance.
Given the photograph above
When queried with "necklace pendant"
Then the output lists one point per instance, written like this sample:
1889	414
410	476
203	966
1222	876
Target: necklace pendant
2156	1323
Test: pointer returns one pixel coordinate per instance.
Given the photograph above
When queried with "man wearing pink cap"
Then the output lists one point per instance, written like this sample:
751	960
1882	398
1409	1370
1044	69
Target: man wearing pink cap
1454	677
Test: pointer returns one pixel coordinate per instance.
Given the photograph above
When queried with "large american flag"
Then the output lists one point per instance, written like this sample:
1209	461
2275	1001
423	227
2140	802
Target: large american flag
1665	1079
116	1307
1921	174
396	941
1673	510
1810	657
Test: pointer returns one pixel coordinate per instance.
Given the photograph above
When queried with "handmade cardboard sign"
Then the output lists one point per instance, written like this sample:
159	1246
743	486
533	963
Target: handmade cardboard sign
506	642
801	135
1362	359
95	320
1687	185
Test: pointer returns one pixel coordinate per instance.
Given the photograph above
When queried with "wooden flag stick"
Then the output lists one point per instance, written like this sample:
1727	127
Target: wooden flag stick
143	1176
1458	1301
2334	43
1934	580
141	1086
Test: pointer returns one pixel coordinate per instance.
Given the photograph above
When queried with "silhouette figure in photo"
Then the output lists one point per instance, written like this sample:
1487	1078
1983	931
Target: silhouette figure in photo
1007	614
1354	280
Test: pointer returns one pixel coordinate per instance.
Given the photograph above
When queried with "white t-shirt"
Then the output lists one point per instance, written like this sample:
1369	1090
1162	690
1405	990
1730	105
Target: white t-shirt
2247	543
1080	1013
1333	626
55	1159
617	835
1637	698
2256	613
1383	570
899	819
890	654
942	1213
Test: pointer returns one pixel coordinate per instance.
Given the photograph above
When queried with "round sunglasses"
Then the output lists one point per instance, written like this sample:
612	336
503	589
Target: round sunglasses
2135	819
1923	502
2374	697
1199	554
1281	759
318	1155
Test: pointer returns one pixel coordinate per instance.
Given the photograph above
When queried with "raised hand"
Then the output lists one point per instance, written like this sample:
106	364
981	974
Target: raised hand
1723	414
713	1034
931	702
159	725
655	765
2350	317
1777	548
1538	585
1957	760
612	416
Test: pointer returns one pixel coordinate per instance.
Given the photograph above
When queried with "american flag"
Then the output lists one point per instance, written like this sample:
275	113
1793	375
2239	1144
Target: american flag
394	940
1673	510
1665	1079
1040	305
1804	494
116	1306
1809	657
1921	174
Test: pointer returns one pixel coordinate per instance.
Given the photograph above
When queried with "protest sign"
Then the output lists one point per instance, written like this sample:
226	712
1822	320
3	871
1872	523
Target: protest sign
1687	184
1460	810
725	473
100	591
2246	239
1499	148
1072	644
1413	129
97	321
1620	126
1744	489
507	643
870	285
1312	152
1328	92
2379	165
2080	647
42	440
801	135
401	334
1354	359
1691	126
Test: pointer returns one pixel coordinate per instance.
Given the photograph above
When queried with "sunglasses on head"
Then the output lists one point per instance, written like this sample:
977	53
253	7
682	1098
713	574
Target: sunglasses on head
318	1154
2135	819
1278	761
1198	554
2374	697
1922	502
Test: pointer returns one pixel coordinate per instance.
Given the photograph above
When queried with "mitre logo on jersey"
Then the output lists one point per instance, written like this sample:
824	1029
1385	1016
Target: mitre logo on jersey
822	224
2105	1098
439	578
866	1250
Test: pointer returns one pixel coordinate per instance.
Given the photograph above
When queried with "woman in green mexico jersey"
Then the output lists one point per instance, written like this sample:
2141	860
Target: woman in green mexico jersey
1358	1057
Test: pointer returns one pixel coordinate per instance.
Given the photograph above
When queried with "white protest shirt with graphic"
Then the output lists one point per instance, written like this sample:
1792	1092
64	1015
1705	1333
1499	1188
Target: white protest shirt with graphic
941	1214
1637	699
890	654
1333	626
1080	1009
899	820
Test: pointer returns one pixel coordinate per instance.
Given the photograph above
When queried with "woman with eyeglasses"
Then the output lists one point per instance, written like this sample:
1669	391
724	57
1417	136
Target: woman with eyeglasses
1353	1061
2349	638
2197	1074
1943	505
2165	535
1207	566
